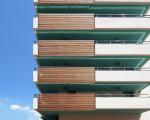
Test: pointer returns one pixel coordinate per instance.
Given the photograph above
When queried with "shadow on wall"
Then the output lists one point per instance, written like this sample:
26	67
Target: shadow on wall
100	117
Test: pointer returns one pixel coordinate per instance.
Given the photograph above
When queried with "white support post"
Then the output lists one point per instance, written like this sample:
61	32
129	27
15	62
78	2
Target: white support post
35	49
35	23
35	76
35	103
35	1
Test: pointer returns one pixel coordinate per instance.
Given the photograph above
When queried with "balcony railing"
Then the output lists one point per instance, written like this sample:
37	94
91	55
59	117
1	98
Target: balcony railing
90	21
90	102
122	15
134	42
123	95
90	48
64	22
122	75
64	102
68	75
122	68
120	21
121	47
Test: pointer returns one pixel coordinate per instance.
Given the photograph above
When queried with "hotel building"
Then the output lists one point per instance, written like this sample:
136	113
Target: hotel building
90	56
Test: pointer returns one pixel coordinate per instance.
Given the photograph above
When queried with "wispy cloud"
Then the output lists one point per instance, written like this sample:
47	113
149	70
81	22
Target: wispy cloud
15	107
3	101
31	114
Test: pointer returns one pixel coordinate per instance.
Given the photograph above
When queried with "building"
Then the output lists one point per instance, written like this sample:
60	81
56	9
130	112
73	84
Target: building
90	55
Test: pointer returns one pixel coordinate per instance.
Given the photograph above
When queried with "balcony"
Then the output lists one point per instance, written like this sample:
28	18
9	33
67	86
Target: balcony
91	22
83	79
89	48
91	103
91	75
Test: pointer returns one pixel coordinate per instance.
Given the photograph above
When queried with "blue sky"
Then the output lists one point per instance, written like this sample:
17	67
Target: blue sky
17	62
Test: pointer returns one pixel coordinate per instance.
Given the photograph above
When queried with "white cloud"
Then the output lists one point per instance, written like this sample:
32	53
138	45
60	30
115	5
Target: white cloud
31	114
15	107
3	101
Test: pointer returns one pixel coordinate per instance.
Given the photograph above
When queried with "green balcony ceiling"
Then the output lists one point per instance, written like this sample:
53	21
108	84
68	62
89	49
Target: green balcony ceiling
93	61
97	9
90	88
98	35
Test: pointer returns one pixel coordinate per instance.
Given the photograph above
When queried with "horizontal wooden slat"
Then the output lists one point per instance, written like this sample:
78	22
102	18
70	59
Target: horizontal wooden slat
66	48
66	102
66	75
65	1
65	21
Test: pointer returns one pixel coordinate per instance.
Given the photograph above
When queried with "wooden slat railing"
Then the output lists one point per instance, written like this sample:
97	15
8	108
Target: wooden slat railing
65	1
66	102
66	75
65	21
66	48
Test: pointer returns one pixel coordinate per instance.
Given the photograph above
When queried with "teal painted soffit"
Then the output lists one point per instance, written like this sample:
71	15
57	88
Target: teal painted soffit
98	35
90	88
93	61
97	9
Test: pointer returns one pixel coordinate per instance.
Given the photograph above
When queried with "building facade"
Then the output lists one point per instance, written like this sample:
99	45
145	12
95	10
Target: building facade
90	56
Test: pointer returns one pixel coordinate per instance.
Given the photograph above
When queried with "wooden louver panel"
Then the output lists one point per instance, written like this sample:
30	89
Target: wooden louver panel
65	21
66	48
66	75
66	102
65	1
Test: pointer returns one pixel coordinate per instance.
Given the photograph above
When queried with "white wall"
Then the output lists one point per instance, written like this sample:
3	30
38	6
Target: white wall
124	1
146	115
122	103
122	76
122	49
122	23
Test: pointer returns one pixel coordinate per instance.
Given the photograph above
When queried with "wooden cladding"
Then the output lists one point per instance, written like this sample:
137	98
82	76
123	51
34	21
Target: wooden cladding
65	21
66	102
65	1
66	48
66	75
